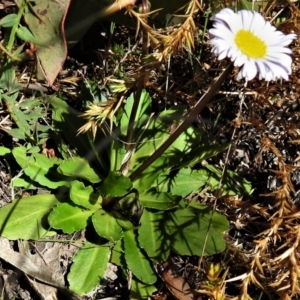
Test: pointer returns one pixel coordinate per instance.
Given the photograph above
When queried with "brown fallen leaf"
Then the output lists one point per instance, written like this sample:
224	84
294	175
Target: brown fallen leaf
176	284
26	265
46	21
48	260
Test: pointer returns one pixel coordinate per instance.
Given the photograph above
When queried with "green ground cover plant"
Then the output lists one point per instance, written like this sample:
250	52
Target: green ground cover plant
140	221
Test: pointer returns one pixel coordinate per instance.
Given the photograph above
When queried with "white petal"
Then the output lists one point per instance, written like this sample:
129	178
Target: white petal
222	33
250	70
261	68
270	37
273	65
222	55
287	39
230	18
279	66
232	52
281	58
275	71
258	23
275	50
247	18
240	61
279	72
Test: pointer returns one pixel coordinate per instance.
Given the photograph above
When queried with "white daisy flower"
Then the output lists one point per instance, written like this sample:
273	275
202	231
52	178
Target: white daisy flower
251	43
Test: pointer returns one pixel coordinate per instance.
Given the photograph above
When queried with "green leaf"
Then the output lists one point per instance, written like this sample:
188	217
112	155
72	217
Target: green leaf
117	154
24	128
106	226
189	227
16	133
183	182
84	196
136	260
157	200
118	257
19	50
140	290
8	21
186	180
154	136
123	222
79	168
40	168
8	80
191	147
115	185
31	104
33	149
204	152
25	218
69	218
142	113
24	34
232	184
4	151
25	182
89	266
153	236
66	122
183	231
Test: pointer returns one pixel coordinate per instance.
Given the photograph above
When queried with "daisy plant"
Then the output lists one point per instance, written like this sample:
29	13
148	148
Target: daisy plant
251	43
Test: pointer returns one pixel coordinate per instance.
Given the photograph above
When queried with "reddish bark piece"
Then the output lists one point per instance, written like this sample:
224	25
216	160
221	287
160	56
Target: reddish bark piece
46	20
176	284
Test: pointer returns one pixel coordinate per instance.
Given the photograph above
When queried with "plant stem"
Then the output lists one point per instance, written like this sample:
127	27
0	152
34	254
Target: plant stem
15	27
145	10
206	16
202	102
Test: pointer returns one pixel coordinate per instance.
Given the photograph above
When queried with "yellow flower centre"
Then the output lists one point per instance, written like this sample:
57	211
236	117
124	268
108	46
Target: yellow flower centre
250	45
